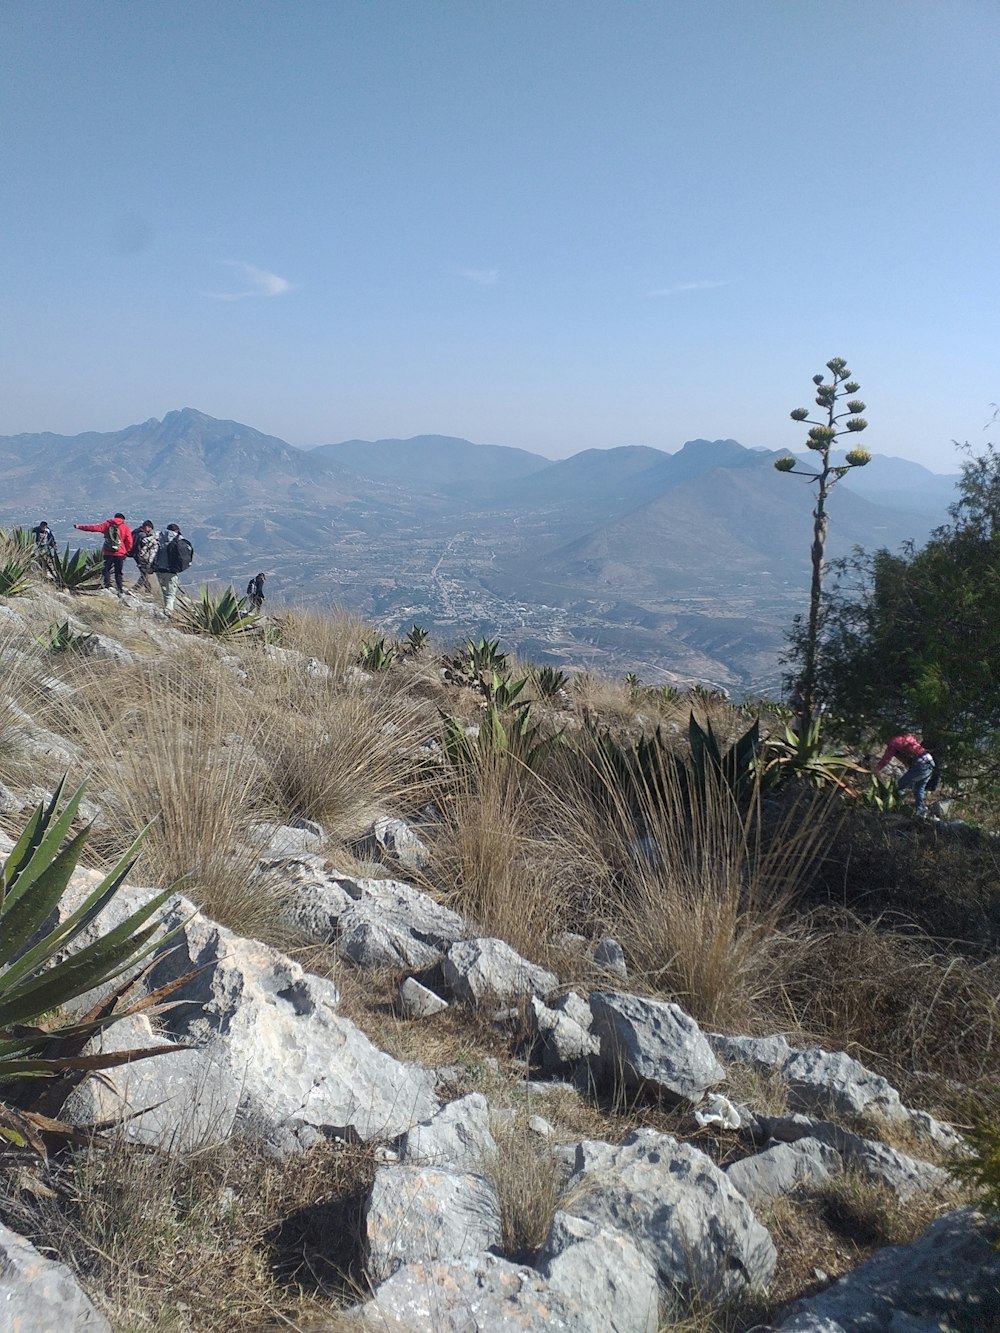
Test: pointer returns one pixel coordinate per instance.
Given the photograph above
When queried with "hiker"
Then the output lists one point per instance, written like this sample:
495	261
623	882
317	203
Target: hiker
45	541
144	553
920	766
173	556
255	592
117	545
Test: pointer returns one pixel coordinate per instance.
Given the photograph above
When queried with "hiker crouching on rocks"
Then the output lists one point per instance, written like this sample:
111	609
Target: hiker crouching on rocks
117	545
144	553
920	766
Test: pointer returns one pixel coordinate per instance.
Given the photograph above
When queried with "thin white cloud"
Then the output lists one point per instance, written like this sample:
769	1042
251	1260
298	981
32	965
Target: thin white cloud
705	285
259	282
484	276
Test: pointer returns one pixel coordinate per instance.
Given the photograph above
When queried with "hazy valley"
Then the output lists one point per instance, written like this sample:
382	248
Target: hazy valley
687	565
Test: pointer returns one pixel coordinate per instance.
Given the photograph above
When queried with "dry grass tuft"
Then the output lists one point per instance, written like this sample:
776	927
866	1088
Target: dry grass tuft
505	855
918	1014
528	1184
700	897
333	637
228	1239
179	749
349	758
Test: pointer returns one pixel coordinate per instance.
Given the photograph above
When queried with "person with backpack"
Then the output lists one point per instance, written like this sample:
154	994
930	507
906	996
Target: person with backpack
45	543
255	592
117	545
144	553
173	556
919	767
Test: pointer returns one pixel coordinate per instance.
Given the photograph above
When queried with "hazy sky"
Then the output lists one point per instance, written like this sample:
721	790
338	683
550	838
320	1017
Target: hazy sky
556	224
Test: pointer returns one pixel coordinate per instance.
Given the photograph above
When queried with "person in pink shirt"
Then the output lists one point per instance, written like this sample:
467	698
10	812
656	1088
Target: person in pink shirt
919	766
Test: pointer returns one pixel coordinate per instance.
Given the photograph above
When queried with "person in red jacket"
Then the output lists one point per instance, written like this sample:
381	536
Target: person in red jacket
117	545
919	766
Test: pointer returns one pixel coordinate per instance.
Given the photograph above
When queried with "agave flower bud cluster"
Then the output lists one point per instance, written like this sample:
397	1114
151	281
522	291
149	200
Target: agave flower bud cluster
784	464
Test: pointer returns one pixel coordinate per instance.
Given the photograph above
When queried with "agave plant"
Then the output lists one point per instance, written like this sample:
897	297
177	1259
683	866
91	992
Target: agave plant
514	736
14	580
222	617
17	541
416	639
75	571
804	755
376	656
476	660
37	975
64	639
549	682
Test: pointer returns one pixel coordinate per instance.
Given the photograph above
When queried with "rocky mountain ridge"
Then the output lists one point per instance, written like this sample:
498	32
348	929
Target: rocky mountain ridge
685	566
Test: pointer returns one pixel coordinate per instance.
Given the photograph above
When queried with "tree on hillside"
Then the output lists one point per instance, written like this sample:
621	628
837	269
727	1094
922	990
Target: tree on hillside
823	435
914	639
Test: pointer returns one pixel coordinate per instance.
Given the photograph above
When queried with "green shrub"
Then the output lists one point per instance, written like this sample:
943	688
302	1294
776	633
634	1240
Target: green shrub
981	1168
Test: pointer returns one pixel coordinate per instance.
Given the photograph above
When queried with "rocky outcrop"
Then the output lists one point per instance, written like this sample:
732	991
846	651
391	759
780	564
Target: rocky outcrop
692	1225
39	1295
949	1279
650	1043
481	969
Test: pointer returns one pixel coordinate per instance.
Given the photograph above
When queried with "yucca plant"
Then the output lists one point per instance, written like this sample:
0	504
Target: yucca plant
75	571
64	639
222	617
377	656
38	977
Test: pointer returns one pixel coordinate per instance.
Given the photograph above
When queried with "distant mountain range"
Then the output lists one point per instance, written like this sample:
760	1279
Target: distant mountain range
686	565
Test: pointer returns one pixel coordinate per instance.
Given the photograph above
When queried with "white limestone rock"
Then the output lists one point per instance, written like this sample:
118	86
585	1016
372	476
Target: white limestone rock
601	1270
38	1295
425	1214
457	1136
678	1207
652	1043
480	969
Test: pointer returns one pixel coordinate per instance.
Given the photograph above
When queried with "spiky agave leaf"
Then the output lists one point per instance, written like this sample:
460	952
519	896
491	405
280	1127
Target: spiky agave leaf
38	976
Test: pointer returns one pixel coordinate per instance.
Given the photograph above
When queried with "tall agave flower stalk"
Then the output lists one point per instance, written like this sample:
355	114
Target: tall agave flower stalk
823	435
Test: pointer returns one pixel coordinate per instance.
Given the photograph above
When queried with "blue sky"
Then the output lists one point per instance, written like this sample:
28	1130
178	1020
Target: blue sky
556	224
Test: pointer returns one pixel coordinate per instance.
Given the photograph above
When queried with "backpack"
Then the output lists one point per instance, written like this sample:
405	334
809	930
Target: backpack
180	553
113	539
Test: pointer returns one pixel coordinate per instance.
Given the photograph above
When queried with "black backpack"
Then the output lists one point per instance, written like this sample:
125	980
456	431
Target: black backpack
113	539
180	553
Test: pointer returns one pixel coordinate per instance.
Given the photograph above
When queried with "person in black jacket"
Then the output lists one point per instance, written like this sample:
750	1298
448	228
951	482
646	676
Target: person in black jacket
166	570
255	592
